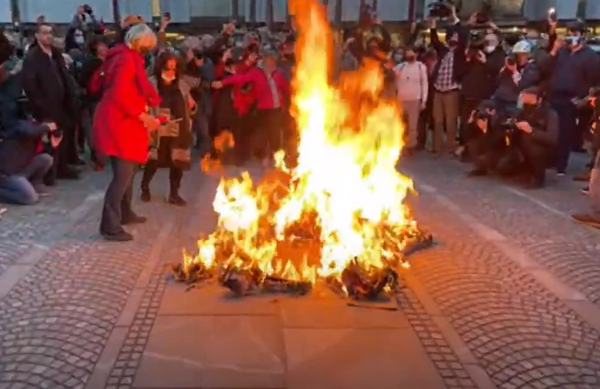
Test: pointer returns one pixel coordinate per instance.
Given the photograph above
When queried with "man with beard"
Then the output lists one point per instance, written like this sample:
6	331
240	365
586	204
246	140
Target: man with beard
47	87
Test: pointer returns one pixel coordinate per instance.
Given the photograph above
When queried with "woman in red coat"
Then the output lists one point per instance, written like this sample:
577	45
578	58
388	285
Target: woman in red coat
121	126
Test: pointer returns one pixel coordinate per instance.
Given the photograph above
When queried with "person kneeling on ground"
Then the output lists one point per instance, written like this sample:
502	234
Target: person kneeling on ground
22	166
520	145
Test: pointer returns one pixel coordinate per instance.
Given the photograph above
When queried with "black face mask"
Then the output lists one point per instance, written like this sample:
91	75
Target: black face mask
528	109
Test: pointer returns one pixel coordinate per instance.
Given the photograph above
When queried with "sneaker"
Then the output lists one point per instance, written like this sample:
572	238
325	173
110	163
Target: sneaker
122	236
42	190
586	190
561	174
177	200
587	219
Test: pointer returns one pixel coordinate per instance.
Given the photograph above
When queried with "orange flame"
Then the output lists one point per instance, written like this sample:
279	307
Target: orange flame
345	187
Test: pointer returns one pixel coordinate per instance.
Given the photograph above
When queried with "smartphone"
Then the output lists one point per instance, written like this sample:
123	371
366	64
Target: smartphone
552	14
167	15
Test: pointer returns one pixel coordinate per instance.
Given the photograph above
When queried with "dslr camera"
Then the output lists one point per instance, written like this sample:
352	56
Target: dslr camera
441	9
87	9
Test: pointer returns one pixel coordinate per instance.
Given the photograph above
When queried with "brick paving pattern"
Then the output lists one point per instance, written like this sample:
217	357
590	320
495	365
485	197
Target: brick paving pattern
521	334
451	370
571	252
185	234
21	227
57	320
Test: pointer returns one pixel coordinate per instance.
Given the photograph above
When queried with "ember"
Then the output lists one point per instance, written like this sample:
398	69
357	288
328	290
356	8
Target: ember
337	215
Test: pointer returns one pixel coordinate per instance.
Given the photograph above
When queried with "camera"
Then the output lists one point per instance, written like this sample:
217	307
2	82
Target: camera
441	9
87	9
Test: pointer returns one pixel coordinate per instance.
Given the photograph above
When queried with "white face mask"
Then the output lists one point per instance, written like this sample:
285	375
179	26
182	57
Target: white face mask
489	49
79	40
168	78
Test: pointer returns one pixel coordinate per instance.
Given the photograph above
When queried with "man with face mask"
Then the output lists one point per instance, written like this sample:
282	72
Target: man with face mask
576	68
412	88
524	147
479	82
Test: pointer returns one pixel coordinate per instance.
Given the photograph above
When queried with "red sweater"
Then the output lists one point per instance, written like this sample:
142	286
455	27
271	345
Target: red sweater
261	91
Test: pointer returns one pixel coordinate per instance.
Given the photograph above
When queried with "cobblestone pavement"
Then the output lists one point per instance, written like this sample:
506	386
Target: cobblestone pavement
21	227
56	321
523	335
81	314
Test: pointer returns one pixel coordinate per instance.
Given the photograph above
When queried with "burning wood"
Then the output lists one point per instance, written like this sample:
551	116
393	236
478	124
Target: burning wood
339	213
365	284
245	282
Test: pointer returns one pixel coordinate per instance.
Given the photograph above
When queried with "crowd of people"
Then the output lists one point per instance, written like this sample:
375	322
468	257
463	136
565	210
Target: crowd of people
510	107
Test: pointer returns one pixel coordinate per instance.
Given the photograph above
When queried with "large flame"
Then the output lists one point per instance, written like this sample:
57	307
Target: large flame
345	186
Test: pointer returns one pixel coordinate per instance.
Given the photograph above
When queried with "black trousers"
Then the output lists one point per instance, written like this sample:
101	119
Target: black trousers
262	133
117	200
175	176
467	106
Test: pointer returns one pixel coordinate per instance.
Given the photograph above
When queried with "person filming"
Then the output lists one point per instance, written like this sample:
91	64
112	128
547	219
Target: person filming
522	144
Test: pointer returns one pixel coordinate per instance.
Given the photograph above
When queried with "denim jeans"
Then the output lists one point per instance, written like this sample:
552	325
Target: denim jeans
117	200
595	187
20	188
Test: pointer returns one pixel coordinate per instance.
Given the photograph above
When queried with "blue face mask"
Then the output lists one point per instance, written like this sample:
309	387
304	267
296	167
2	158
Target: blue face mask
572	39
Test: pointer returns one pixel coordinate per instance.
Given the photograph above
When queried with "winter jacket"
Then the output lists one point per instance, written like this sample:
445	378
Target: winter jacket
127	93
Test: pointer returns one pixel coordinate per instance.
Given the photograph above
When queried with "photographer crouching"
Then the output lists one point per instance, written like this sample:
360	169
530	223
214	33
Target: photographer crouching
23	165
484	60
515	143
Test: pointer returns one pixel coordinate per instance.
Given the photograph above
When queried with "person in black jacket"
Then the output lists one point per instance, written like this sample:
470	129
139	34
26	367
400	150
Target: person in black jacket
523	145
47	84
22	167
484	60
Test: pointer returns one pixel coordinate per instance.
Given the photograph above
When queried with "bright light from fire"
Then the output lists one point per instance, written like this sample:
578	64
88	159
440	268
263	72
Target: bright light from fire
345	193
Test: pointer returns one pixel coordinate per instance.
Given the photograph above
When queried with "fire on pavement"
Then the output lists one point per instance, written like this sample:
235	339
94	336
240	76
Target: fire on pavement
339	214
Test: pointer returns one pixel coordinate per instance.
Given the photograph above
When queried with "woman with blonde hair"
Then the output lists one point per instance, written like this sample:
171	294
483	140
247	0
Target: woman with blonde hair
122	126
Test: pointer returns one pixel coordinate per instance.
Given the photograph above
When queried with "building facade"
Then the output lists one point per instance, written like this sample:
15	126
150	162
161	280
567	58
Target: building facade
186	11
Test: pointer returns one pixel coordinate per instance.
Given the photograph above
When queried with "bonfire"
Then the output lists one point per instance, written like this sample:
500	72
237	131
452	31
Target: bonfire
338	214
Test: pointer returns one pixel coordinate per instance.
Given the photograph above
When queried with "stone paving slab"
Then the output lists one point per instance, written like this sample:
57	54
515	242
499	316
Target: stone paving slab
357	359
311	313
213	352
213	300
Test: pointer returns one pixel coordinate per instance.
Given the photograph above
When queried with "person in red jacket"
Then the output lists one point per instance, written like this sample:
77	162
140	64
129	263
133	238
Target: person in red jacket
121	126
270	91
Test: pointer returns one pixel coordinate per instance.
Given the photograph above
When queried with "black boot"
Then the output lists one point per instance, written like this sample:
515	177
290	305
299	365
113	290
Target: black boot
175	199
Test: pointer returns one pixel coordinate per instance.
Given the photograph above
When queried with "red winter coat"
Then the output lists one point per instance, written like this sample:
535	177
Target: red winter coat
261	92
242	94
118	132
